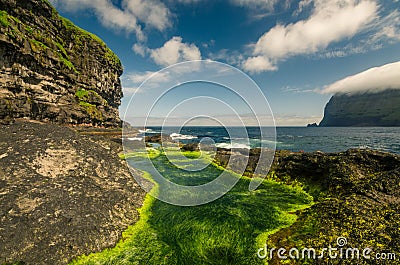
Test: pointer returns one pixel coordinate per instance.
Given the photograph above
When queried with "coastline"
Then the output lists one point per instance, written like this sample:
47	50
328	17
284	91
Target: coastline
337	182
332	180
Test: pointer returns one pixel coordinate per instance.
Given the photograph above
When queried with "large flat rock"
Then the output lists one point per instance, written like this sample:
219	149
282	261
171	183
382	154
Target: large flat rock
62	194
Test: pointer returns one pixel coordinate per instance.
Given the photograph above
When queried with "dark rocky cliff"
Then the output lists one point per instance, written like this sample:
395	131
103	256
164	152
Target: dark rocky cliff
63	193
51	70
368	109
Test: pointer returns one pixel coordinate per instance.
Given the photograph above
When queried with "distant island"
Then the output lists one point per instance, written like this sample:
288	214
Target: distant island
311	125
381	109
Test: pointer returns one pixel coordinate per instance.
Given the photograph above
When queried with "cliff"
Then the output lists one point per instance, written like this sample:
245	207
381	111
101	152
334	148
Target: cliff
51	70
63	193
368	109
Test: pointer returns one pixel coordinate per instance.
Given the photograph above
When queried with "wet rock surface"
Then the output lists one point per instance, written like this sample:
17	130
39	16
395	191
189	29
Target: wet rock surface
62	194
356	194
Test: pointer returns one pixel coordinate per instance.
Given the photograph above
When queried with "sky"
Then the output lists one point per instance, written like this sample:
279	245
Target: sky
299	53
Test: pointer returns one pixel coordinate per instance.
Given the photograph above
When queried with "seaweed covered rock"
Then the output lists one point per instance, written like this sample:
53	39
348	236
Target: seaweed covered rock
51	70
356	194
357	197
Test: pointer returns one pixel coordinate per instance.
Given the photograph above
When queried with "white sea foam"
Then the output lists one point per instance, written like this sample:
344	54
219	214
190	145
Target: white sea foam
232	146
148	131
270	143
178	136
135	139
145	131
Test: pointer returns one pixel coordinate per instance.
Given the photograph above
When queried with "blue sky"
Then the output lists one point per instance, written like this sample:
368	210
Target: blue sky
298	52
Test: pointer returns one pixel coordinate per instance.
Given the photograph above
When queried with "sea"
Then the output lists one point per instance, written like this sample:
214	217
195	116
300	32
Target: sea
324	139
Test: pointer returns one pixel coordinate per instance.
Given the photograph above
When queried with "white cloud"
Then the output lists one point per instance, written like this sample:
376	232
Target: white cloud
383	31
252	4
387	28
130	90
296	90
351	48
296	120
131	82
188	1
329	22
152	13
140	77
140	49
256	4
389	32
302	5
175	51
258	64
280	120
372	80
231	57
172	52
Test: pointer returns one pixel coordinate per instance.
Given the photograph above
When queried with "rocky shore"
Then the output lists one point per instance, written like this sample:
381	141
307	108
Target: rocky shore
65	192
356	195
62	193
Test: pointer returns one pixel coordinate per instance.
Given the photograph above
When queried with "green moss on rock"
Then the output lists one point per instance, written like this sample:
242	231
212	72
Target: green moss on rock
4	19
28	29
82	94
67	63
92	111
62	49
81	34
90	96
38	46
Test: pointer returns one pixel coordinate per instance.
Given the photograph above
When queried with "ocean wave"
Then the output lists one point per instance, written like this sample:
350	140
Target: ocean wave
270	142
148	131
232	146
178	136
145	131
135	139
367	147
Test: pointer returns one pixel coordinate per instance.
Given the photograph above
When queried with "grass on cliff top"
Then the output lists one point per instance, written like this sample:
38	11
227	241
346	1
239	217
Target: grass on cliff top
39	42
110	56
226	231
